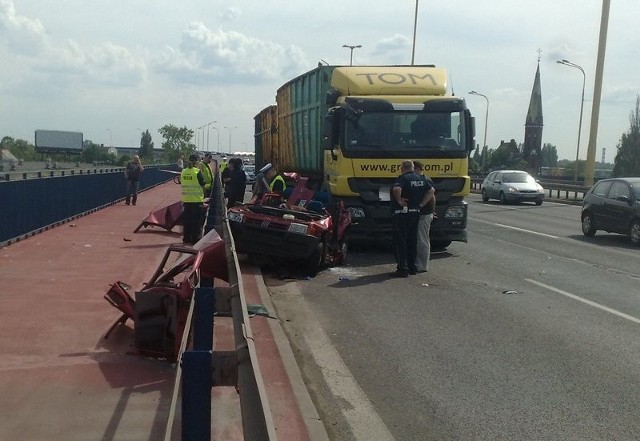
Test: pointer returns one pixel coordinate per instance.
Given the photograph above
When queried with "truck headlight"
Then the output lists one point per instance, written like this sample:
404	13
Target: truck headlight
235	217
456	212
356	212
297	228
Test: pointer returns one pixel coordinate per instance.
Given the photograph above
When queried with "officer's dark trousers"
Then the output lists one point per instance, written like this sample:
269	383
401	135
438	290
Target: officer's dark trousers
405	240
191	222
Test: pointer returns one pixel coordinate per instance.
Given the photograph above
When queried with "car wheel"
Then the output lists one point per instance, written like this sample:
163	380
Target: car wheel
314	262
539	202
503	199
440	245
485	198
634	232
587	225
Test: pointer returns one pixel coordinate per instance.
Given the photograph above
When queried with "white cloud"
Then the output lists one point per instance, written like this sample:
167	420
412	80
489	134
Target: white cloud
230	57
22	35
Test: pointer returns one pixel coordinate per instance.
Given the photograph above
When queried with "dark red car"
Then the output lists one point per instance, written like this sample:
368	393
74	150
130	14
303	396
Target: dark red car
301	229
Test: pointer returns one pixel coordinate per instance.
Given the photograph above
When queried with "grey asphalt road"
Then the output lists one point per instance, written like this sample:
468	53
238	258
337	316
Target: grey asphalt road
528	332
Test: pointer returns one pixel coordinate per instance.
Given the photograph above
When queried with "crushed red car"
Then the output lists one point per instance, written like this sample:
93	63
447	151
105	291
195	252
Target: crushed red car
301	228
160	309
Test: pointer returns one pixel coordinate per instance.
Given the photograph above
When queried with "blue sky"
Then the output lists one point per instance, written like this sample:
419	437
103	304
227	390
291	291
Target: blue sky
110	68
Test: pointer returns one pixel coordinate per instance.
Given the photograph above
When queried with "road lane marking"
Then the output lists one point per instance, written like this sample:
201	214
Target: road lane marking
362	418
585	301
522	230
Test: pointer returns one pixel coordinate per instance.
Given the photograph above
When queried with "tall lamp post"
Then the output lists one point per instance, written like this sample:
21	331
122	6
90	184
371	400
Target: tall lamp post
230	129
415	26
207	126
218	144
584	78
351	48
201	130
110	138
486	124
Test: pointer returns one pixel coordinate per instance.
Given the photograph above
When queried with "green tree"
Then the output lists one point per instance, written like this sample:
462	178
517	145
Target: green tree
96	153
146	147
177	141
549	155
627	162
506	156
19	148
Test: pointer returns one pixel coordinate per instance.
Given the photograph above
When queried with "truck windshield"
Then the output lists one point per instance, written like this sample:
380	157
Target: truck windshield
406	130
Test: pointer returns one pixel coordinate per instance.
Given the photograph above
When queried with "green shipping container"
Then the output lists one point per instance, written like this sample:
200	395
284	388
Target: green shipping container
301	107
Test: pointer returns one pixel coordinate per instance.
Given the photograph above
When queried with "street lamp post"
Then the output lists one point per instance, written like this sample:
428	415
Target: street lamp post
200	130
207	125
218	144
486	124
351	48
230	129
415	26
584	78
110	138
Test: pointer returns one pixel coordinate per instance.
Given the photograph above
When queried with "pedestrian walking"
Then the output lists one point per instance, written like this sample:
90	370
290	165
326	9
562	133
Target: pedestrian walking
410	193
427	214
132	173
192	183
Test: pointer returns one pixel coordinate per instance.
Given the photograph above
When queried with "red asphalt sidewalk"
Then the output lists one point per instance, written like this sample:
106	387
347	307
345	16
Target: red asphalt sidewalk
61	380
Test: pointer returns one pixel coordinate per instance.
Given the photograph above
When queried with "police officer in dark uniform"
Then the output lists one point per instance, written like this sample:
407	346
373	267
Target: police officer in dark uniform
409	194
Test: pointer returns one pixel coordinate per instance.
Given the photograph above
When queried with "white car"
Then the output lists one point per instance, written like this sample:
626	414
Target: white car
512	186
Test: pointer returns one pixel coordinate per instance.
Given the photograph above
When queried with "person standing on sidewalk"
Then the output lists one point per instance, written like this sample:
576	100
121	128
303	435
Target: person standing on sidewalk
237	182
132	173
207	174
409	194
427	215
192	183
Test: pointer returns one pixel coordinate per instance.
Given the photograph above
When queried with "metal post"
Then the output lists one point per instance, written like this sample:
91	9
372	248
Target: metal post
351	48
584	79
415	27
597	95
486	124
196	395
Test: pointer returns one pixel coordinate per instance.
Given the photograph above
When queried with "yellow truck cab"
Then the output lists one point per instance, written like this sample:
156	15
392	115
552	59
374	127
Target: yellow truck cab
352	126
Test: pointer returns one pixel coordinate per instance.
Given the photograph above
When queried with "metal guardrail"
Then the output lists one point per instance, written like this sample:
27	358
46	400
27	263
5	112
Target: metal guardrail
553	189
202	366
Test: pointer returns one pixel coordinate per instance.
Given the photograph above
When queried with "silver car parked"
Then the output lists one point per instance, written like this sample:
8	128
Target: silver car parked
512	186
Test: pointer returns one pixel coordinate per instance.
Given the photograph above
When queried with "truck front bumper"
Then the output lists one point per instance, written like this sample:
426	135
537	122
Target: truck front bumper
374	220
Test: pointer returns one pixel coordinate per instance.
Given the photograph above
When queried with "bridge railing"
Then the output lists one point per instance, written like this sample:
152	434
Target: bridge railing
34	204
553	189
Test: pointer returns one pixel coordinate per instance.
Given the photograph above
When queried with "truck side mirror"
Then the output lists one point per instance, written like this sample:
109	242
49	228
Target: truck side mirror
471	131
327	132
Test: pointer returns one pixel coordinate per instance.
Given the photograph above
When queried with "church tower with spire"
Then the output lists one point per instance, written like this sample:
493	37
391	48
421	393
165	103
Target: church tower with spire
532	148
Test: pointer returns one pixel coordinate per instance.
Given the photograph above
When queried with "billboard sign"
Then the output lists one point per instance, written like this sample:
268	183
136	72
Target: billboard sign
57	141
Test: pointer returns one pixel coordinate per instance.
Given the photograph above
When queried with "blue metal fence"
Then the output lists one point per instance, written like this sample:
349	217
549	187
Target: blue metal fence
27	206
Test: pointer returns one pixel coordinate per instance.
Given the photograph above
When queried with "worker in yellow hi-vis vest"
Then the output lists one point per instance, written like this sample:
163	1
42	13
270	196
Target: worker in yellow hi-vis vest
207	174
192	183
